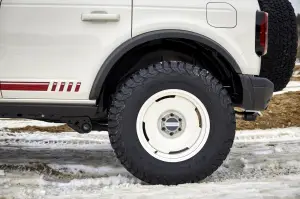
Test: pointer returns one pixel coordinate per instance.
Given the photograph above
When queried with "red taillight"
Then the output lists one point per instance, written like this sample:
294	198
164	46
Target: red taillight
261	44
264	33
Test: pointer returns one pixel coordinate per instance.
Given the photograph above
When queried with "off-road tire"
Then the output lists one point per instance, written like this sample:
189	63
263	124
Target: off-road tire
280	60
128	100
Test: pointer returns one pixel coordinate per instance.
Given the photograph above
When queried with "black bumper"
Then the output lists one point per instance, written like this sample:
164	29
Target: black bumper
257	92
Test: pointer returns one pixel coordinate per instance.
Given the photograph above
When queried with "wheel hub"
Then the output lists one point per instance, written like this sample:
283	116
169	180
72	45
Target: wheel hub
172	124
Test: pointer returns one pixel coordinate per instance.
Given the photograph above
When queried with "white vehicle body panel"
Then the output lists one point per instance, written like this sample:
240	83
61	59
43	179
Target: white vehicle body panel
221	15
191	15
47	41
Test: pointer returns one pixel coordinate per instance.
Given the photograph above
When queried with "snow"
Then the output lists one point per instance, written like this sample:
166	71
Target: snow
268	135
11	123
292	86
87	170
94	140
121	187
262	164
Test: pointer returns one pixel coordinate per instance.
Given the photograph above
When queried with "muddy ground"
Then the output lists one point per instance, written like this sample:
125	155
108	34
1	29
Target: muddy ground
283	111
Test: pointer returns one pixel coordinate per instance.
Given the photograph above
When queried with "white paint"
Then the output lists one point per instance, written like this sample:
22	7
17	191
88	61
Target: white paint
47	40
221	15
149	15
159	145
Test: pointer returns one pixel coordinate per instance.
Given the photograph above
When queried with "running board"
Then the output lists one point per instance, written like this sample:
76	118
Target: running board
50	112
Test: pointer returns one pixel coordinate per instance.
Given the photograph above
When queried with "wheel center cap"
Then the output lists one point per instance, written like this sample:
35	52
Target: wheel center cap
172	124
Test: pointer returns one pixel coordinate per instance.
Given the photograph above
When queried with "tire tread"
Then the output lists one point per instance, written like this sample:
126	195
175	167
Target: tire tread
280	60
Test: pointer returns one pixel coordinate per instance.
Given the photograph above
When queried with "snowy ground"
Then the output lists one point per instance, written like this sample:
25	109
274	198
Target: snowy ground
292	86
262	164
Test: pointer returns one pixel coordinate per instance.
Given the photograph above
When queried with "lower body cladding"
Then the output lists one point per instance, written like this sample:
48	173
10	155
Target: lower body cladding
257	92
81	118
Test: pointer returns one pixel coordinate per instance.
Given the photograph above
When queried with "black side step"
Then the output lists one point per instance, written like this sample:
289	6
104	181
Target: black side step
50	112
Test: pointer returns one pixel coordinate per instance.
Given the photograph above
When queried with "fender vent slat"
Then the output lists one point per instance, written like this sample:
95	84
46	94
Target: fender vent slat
175	152
166	97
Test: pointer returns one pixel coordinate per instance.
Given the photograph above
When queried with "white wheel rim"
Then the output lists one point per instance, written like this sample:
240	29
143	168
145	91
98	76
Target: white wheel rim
155	125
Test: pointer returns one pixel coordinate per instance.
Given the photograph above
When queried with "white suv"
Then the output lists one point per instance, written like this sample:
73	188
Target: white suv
163	77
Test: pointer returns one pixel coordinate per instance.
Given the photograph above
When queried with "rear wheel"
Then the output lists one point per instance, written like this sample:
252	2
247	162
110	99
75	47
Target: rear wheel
280	60
171	123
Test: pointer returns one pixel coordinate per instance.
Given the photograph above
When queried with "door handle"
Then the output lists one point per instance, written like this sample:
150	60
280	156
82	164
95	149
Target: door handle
100	17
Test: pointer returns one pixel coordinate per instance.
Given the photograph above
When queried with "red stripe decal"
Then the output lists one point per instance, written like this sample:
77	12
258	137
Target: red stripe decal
22	86
7	82
77	88
62	86
70	86
54	86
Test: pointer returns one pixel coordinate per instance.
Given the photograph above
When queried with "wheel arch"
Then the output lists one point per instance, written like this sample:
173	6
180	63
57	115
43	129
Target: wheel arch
135	42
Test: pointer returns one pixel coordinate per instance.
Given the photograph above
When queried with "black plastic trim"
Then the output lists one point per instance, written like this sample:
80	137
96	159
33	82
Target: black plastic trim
150	36
49	112
257	92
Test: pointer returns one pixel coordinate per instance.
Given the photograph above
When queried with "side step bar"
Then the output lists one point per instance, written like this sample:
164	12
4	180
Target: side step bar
82	118
51	112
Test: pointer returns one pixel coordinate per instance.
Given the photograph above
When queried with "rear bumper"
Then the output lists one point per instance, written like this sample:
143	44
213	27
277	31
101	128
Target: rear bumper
257	92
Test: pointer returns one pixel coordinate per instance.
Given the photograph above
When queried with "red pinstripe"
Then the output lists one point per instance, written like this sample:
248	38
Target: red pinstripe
62	86
24	86
54	86
37	86
77	88
70	87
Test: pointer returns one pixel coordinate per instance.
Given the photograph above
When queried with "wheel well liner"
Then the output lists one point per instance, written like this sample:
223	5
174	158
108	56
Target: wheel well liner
146	37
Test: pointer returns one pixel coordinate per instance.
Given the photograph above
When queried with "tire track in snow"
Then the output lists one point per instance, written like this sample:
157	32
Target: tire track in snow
252	156
53	143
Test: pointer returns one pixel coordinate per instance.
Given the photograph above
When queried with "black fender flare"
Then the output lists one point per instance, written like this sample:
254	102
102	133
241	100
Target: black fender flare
150	36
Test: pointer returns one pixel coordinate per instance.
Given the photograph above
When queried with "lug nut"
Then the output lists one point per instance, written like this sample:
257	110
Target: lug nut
171	134
163	128
180	119
179	129
163	119
172	114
